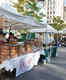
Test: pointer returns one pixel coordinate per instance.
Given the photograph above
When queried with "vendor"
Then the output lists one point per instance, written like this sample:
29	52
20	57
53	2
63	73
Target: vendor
27	47
12	38
2	39
41	39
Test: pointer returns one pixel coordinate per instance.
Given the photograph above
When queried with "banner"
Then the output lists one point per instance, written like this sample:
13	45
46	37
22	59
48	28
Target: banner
24	64
36	57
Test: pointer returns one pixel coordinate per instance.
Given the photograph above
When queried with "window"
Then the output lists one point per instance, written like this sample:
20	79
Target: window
50	12
47	12
53	12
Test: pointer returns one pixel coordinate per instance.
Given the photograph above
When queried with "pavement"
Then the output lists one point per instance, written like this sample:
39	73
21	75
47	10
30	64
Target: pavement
61	58
54	71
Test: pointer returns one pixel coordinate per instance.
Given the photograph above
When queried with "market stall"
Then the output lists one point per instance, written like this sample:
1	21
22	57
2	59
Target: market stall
15	20
49	49
13	54
21	57
21	63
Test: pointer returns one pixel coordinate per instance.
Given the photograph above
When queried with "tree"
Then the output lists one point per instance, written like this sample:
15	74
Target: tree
29	8
58	23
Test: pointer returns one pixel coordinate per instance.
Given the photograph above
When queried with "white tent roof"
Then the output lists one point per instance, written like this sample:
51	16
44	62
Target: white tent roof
48	29
62	31
37	30
15	19
9	6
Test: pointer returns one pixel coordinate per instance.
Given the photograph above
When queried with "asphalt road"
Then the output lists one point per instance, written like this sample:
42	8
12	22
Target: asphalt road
54	71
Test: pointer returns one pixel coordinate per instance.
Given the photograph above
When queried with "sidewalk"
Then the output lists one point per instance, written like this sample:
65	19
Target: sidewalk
61	58
56	71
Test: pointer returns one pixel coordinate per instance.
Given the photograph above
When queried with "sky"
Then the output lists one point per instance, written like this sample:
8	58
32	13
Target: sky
64	2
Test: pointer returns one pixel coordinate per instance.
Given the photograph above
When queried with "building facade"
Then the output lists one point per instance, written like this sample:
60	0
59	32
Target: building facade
59	8
50	10
65	14
53	8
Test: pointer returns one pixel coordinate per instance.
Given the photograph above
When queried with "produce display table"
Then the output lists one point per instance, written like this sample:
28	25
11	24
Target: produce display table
22	63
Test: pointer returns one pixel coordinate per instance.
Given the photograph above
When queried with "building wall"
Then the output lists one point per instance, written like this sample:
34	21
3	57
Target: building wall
50	10
59	8
53	8
42	4
65	14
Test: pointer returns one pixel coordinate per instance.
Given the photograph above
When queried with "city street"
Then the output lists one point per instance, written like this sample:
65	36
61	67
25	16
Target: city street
32	40
55	71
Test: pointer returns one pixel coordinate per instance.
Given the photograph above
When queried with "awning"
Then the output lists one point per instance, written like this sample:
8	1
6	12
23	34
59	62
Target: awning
19	21
48	29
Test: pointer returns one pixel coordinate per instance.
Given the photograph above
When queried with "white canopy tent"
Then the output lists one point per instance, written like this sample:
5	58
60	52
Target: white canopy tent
37	30
48	29
46	37
62	31
21	22
18	21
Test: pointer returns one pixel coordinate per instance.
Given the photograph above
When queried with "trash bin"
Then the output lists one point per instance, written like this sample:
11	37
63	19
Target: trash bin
47	50
53	51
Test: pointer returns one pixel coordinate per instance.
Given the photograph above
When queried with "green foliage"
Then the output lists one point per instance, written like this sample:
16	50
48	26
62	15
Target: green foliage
58	20
58	23
29	8
23	31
